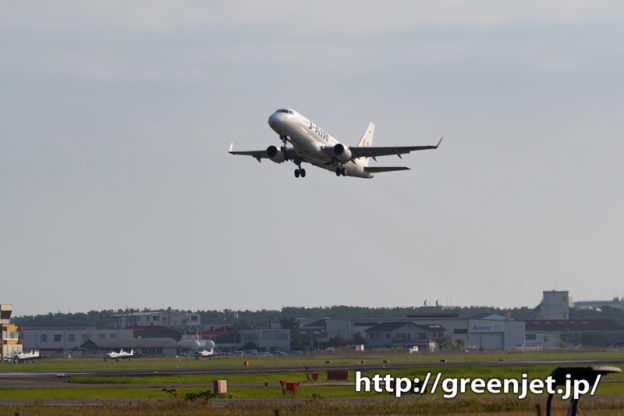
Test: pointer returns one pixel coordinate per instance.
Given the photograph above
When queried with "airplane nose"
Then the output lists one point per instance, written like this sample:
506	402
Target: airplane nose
272	119
275	121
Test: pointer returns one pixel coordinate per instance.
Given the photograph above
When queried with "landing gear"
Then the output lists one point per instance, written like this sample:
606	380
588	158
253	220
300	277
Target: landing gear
340	171
300	172
284	148
284	140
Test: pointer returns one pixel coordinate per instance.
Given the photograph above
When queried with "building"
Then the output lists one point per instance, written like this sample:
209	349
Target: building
187	321
266	339
481	332
596	333
59	338
316	334
555	305
262	340
600	304
311	336
405	334
228	342
484	332
455	327
157	331
149	347
540	335
10	334
495	334
212	332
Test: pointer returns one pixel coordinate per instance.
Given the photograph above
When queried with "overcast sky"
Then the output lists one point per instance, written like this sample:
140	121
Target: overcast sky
118	191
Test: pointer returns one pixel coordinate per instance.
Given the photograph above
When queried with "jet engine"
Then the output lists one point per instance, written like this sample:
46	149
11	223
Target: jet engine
342	153
275	154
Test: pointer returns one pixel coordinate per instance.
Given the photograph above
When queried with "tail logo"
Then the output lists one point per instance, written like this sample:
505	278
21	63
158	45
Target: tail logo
365	143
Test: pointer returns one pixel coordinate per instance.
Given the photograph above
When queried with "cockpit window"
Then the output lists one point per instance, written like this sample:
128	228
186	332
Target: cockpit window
283	110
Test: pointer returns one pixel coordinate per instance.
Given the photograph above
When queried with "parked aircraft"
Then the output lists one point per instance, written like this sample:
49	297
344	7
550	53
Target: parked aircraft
119	355
199	348
26	356
312	144
205	353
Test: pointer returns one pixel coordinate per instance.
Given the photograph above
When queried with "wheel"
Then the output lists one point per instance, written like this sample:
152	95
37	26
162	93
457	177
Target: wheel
344	172
302	172
338	171
296	173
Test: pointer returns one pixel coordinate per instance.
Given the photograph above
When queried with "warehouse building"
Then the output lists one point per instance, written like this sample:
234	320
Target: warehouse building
577	333
148	347
616	303
187	321
61	338
405	334
495	334
482	332
266	339
261	340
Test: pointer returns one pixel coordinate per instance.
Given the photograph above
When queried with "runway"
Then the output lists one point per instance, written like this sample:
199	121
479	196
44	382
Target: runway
62	379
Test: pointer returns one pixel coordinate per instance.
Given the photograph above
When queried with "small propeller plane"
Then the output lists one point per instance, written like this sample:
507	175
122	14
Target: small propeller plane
312	144
31	356
126	355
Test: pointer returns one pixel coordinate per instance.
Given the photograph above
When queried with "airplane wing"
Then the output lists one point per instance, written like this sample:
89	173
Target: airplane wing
378	169
259	154
373	152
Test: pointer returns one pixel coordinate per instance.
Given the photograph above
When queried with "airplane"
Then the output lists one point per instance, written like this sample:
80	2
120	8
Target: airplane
312	144
199	348
205	353
119	355
26	356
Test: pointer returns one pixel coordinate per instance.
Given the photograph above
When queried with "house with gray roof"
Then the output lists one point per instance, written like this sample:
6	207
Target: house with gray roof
149	347
405	334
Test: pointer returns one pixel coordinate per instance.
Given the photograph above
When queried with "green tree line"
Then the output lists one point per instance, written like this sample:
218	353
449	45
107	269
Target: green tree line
243	319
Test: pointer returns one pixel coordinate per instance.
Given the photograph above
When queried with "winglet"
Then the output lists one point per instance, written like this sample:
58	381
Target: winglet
231	147
439	141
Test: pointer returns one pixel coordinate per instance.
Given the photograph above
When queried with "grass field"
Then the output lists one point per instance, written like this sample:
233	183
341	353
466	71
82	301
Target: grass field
252	386
473	407
302	360
235	392
540	371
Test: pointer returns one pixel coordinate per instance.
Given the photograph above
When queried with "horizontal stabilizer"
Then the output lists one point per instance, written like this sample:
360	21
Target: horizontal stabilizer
359	151
378	169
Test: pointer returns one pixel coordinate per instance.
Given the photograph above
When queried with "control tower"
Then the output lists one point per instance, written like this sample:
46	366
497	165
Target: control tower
10	335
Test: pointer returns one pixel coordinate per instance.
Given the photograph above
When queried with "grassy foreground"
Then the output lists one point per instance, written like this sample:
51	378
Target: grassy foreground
156	395
472	407
139	392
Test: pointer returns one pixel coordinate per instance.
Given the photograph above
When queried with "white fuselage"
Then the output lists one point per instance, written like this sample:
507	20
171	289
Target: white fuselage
311	143
27	356
121	354
205	353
